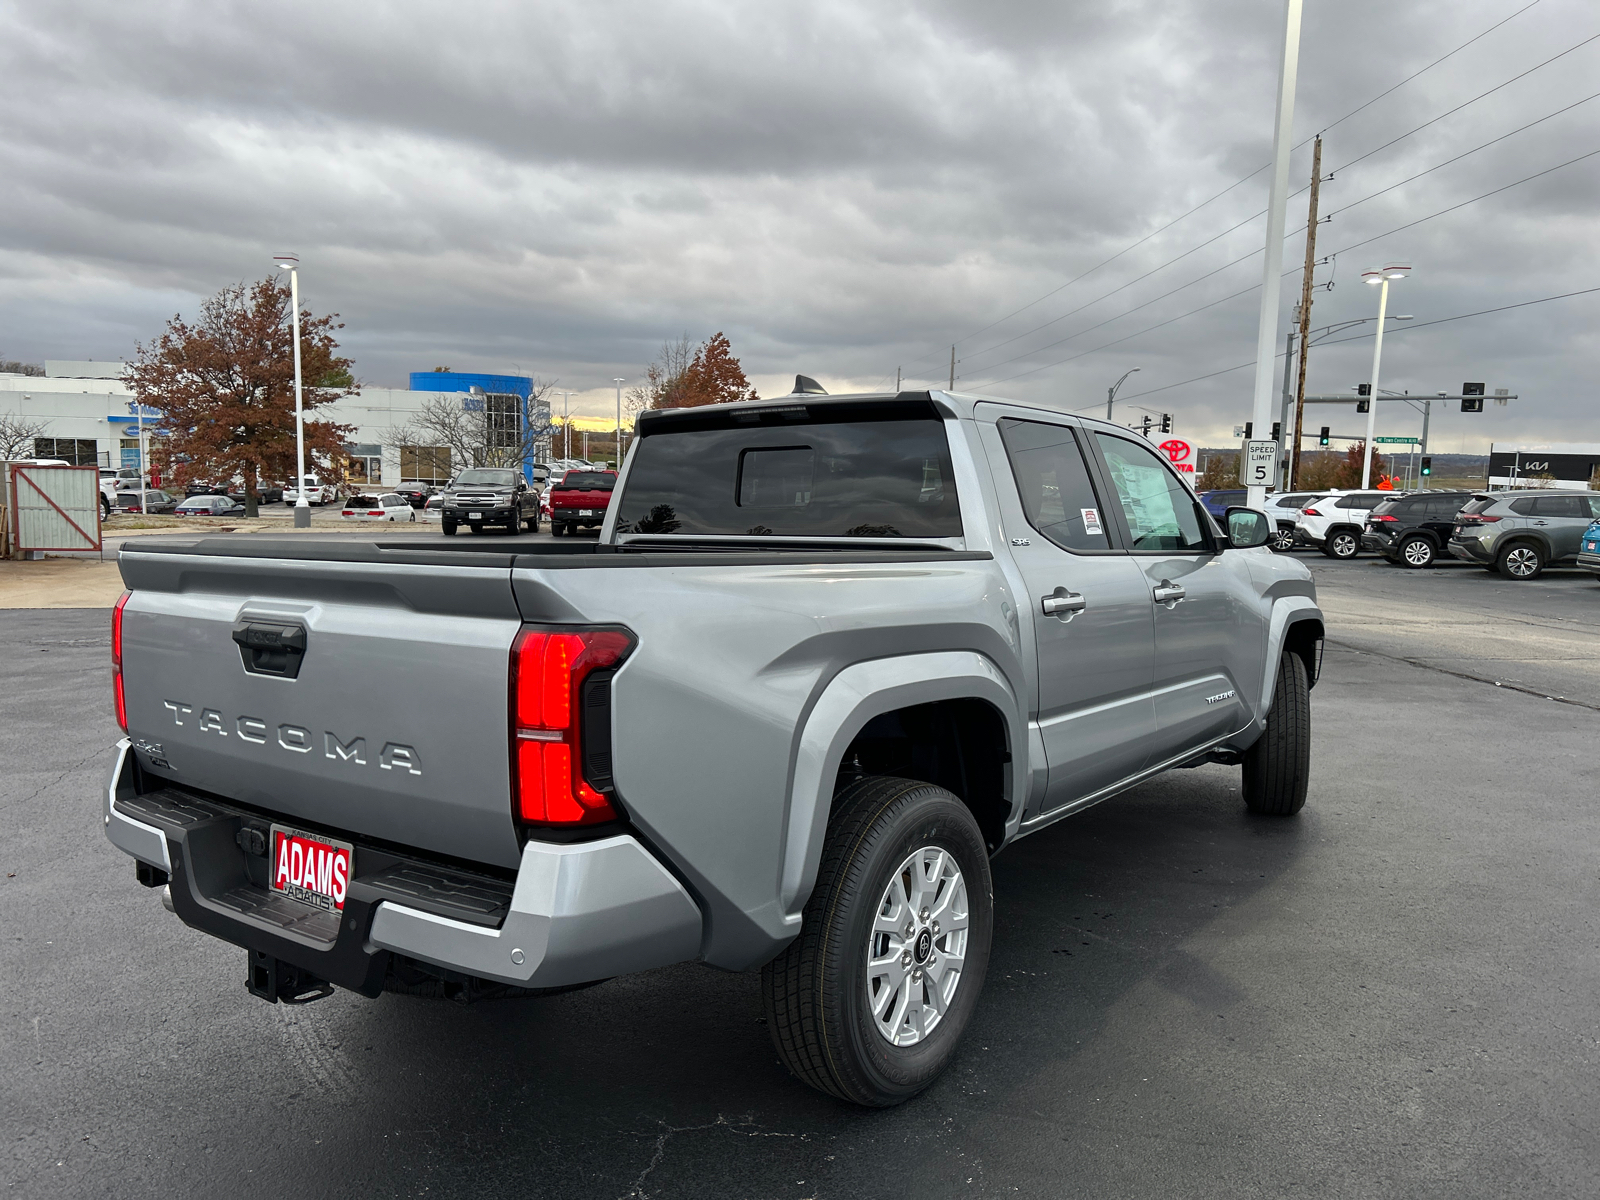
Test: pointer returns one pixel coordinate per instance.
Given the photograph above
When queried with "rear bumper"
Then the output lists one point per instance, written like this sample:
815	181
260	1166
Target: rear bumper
574	913
1469	550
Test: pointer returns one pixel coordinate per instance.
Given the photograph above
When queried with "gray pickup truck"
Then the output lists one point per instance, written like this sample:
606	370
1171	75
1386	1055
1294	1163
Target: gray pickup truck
829	655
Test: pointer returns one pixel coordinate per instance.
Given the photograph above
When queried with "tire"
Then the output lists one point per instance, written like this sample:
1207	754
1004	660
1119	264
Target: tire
412	518
448	528
1341	544
533	523
1283	540
1278	767
557	529
1520	561
1416	553
818	992
475	526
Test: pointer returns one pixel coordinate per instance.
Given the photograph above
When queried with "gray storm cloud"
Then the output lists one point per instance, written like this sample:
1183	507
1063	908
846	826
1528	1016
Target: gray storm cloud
844	189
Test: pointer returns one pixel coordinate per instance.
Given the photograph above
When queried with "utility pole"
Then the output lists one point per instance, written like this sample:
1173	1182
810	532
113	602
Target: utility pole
1305	305
1278	195
619	382
897	379
1284	425
952	368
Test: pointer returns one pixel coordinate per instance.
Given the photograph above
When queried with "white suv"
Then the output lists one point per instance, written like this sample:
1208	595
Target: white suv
1333	521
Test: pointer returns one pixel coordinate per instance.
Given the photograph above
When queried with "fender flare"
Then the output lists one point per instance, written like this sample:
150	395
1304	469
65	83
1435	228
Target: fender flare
852	698
1286	611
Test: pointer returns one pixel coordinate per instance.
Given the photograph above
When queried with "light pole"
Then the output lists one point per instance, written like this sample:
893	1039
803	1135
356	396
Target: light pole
1111	392
1379	277
302	507
619	382
566	425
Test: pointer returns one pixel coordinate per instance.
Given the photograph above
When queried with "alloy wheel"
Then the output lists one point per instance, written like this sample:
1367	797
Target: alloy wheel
1522	561
1283	540
917	948
1345	545
1417	553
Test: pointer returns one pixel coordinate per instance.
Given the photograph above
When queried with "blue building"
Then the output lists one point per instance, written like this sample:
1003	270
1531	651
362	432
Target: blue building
506	399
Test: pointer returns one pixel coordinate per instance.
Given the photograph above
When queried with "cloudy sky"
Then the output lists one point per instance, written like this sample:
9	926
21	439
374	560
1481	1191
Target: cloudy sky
844	188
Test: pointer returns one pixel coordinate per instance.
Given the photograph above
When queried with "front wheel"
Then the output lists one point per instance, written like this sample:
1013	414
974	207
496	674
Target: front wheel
869	1003
448	528
1277	768
1342	543
1283	540
1416	552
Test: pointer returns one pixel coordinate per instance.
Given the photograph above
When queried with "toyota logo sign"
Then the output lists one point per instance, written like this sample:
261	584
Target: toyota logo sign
1178	452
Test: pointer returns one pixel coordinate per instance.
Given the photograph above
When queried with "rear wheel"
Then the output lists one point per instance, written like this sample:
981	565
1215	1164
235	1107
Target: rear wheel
1417	552
1277	768
1342	543
1521	561
557	529
869	1003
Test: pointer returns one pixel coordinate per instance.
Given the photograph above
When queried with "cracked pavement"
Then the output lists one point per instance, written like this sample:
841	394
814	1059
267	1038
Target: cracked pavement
1396	993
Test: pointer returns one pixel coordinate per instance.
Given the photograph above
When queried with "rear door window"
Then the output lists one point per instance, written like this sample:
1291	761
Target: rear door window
1159	511
807	477
1053	484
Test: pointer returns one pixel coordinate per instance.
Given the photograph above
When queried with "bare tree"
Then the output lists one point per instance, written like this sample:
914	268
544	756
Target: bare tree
478	430
17	433
11	366
664	378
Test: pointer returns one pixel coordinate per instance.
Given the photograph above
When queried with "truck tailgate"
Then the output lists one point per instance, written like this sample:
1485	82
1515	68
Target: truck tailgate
395	726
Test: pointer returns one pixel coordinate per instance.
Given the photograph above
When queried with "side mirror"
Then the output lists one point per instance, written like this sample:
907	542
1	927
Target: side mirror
1247	528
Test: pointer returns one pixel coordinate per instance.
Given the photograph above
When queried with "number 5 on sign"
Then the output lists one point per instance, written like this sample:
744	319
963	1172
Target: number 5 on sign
1260	464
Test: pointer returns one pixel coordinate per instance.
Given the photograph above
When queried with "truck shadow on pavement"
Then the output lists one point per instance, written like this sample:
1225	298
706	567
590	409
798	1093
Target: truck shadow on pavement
1113	938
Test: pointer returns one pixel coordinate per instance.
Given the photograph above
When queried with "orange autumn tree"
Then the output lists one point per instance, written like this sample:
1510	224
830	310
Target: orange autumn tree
681	378
224	387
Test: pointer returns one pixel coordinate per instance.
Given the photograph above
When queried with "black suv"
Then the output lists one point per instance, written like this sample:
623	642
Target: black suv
1413	530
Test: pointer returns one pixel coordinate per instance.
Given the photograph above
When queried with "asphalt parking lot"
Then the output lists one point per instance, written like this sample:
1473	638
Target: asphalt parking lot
1395	994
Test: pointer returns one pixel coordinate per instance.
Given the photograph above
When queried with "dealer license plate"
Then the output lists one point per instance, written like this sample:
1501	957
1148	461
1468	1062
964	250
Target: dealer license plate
474	516
586	512
310	869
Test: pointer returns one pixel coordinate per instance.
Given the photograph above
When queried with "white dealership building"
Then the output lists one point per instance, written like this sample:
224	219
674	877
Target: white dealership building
86	416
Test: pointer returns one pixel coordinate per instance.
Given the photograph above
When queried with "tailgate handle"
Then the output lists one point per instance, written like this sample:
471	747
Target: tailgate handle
271	647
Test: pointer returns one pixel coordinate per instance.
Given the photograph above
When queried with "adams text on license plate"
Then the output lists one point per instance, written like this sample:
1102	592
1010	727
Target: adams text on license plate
311	869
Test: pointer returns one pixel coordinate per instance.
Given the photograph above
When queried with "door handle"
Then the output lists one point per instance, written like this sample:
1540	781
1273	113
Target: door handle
1063	603
1168	593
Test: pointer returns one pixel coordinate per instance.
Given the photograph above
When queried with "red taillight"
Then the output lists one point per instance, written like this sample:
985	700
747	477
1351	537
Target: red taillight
375	512
1309	512
349	512
116	662
1382	517
548	670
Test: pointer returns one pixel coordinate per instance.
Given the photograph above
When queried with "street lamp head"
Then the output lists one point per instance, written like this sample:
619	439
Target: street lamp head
1406	317
1396	270
1374	276
286	262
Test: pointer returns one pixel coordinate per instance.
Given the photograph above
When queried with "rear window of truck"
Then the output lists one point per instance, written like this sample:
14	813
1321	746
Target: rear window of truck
841	478
587	481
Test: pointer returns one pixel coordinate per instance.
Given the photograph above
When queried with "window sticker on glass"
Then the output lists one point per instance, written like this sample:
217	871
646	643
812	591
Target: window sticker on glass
1091	520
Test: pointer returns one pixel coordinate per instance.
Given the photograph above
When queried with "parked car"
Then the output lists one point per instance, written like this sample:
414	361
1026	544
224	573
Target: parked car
1333	521
798	758
390	506
580	501
154	500
1521	533
1413	530
1589	552
1219	500
209	506
482	496
414	494
433	509
317	493
1284	509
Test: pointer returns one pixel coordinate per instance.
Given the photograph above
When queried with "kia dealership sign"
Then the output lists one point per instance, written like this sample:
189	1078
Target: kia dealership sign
1179	453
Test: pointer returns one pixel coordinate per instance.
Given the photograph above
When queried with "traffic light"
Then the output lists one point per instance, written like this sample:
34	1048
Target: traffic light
1363	405
1277	430
1474	390
1365	389
1249	427
1427	464
1166	422
1322	438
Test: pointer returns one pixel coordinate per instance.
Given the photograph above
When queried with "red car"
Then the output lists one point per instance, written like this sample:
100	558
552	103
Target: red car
580	499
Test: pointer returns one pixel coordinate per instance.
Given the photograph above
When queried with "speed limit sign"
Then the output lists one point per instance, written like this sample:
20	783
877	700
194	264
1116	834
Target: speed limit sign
1260	463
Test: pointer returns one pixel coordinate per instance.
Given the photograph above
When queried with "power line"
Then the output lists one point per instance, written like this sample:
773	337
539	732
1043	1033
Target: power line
1465	153
1245	179
1465	103
1359	337
1247	220
1244	291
